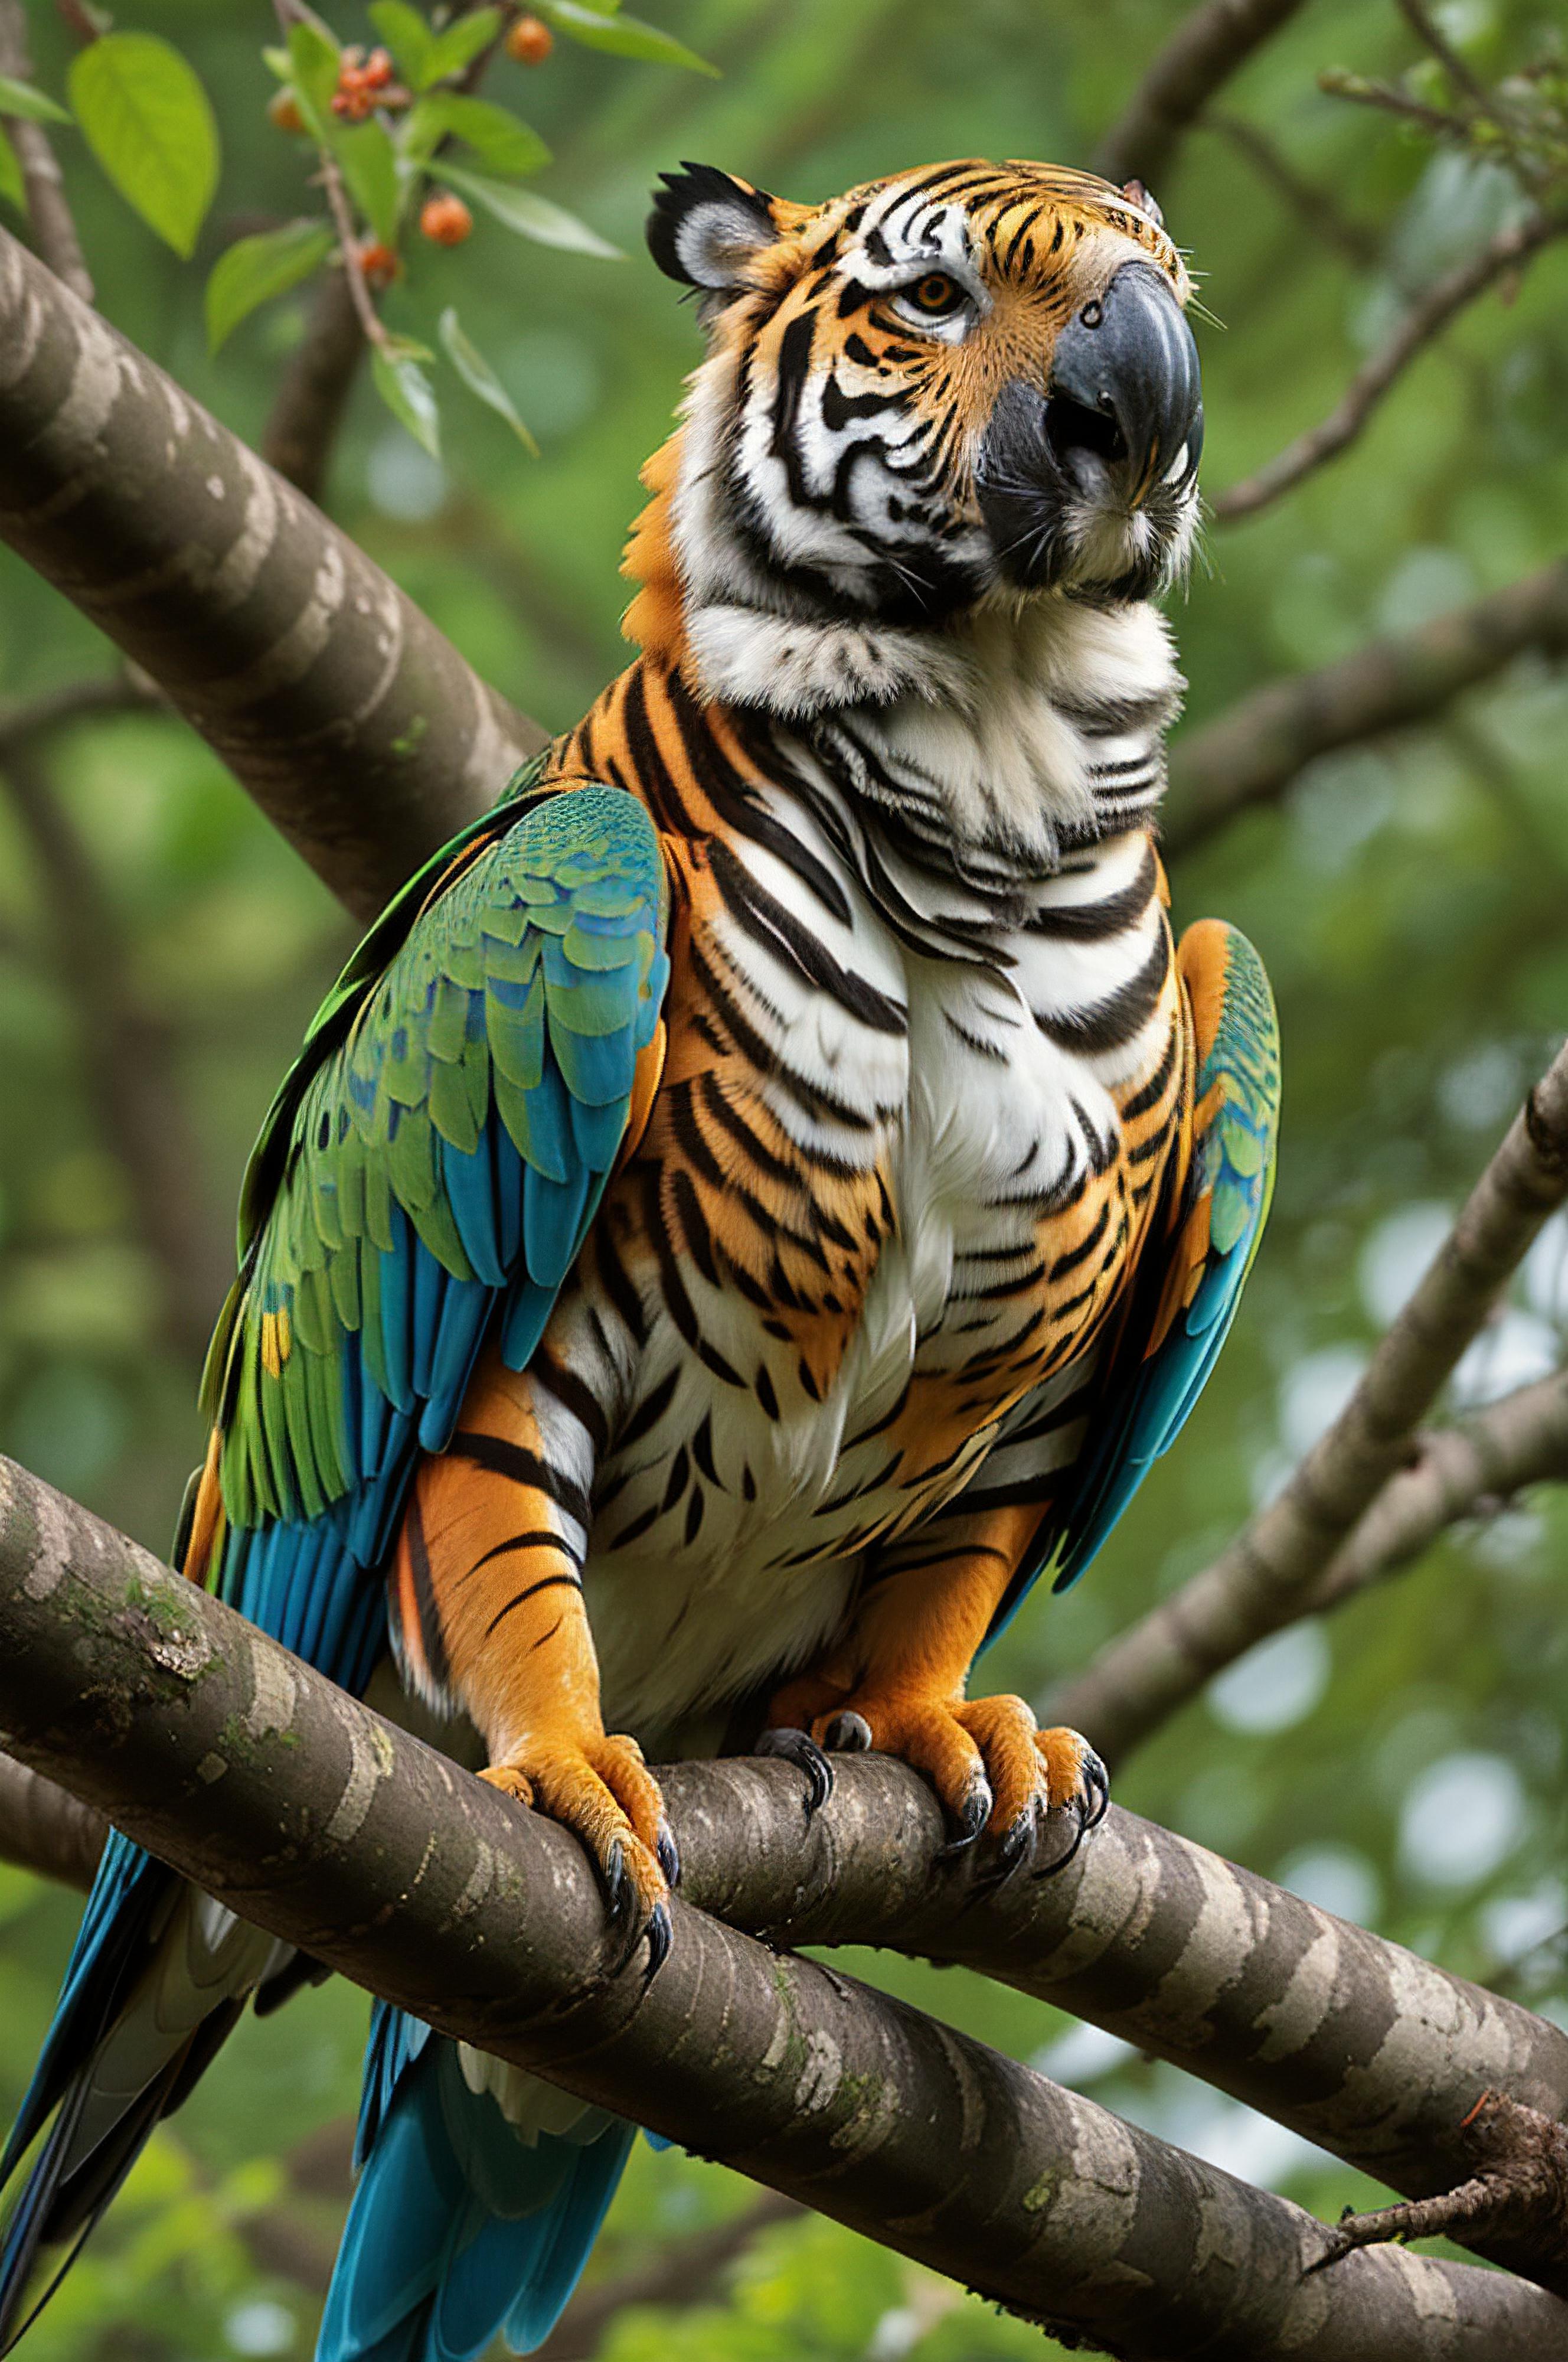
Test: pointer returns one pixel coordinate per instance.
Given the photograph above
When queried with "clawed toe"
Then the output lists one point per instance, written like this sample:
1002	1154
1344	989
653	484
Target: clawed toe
599	1788
969	1820
788	1745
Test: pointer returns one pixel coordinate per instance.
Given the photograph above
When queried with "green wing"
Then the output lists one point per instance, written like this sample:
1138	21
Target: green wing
434	1158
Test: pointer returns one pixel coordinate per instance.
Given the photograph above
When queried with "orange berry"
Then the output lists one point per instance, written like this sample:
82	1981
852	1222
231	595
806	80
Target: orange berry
378	264
378	69
283	111
445	220
530	41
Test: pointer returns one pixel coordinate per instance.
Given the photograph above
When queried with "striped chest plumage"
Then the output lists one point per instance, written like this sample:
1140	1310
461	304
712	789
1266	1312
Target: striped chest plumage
910	1128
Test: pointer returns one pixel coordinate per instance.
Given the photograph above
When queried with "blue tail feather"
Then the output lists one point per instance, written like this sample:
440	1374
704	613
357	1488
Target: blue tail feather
458	2229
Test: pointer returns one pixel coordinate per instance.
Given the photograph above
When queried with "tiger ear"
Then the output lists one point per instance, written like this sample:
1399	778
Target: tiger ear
706	227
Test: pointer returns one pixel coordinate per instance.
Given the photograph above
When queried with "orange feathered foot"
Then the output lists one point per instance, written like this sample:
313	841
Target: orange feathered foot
996	1772
486	1591
597	1786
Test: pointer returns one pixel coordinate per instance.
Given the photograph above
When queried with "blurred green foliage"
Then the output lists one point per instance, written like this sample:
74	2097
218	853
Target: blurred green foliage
1405	1762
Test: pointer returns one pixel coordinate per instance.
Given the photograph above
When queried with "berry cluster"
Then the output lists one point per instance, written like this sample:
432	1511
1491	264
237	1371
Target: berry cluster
364	83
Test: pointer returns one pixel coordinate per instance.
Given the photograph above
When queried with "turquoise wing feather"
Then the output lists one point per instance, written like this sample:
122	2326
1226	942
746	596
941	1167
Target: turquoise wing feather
442	1143
1185	1299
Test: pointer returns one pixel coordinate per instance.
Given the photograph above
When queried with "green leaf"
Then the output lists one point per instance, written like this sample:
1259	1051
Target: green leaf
623	37
529	215
406	35
506	143
459	45
315	58
21	99
146	119
368	163
405	388
253	269
11	183
479	378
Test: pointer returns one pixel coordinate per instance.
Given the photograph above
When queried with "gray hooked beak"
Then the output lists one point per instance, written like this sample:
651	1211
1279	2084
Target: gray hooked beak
1125	389
1117	430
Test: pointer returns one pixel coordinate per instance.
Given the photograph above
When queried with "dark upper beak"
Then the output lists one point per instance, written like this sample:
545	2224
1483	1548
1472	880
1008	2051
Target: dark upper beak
1124	388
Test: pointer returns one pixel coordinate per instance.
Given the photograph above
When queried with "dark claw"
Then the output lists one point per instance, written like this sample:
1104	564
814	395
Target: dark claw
1015	1845
1096	1781
668	1853
1051	1869
848	1733
970	1818
620	1894
662	1934
797	1746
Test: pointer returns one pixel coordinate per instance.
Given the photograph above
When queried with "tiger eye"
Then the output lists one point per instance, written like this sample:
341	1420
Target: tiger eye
936	292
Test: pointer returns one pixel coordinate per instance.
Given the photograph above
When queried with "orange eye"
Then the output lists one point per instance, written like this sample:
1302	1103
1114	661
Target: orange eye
935	294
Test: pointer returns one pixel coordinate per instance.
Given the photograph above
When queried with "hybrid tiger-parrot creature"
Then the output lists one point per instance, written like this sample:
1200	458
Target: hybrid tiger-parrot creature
763	1194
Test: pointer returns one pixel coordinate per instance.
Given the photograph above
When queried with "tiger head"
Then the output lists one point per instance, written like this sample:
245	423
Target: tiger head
960	389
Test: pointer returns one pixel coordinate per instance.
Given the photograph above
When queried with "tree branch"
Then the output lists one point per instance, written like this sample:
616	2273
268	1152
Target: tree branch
48	214
1462	1472
1271	1573
130	1061
353	721
314	391
1425	321
1317	209
1253	752
306	1812
1201	57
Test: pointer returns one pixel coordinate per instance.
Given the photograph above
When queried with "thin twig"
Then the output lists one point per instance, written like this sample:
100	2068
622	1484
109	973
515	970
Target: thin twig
48	214
1314	207
1269	1575
1463	1471
1421	326
1418	17
1206	49
1362	89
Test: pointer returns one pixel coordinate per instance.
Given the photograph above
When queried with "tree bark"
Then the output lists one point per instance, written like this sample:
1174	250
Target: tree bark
353	721
310	1814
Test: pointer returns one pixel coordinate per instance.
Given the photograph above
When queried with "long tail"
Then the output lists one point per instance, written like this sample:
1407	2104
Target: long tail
158	1977
476	2207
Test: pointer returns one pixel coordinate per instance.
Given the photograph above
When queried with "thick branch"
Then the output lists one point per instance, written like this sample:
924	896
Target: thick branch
357	726
1201	57
1350	2040
1500	258
1269	1574
309	1815
1253	752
